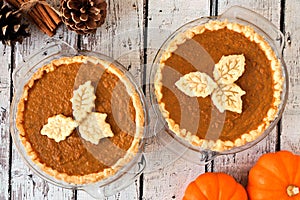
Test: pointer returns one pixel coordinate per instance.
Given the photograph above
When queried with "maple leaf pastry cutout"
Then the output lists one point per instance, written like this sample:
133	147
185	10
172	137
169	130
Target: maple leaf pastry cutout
225	94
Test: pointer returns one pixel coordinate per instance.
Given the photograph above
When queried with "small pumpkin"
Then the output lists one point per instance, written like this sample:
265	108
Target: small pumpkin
215	186
275	176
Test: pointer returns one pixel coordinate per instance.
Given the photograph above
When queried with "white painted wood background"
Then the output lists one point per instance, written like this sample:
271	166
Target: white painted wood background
132	34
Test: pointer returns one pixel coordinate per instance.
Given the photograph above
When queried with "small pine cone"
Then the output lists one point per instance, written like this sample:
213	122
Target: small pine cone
11	29
83	16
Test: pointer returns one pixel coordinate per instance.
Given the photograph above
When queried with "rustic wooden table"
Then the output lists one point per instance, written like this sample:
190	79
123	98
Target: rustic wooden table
133	31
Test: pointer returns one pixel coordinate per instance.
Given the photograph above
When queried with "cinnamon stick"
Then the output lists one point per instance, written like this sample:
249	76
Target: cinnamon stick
40	24
36	18
42	15
54	15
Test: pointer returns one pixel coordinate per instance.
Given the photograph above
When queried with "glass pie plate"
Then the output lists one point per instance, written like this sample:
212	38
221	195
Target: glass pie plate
126	173
237	15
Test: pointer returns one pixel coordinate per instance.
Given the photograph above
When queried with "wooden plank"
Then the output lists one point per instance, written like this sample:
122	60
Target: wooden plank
170	181
167	176
121	37
239	164
290	133
267	8
24	183
131	192
5	80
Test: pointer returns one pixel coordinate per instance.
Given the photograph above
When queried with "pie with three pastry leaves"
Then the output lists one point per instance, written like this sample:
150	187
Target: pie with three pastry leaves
218	85
105	133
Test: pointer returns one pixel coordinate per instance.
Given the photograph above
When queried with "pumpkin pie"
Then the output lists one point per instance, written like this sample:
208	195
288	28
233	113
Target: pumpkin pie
218	85
80	119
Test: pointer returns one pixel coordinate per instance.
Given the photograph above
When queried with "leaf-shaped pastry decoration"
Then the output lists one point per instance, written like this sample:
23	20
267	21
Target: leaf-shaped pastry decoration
229	69
196	84
224	93
94	128
228	98
59	127
83	101
92	125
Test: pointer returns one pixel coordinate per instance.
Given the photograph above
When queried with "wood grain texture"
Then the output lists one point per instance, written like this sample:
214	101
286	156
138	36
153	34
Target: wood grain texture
239	164
167	176
267	8
290	133
24	183
129	192
5	80
121	37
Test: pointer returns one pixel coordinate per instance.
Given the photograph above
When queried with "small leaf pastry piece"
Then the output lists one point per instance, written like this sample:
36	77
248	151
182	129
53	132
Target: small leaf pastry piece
229	69
94	128
228	97
83	101
59	127
196	84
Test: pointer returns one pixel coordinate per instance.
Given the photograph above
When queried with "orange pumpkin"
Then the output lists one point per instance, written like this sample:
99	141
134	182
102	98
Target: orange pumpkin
275	176
215	186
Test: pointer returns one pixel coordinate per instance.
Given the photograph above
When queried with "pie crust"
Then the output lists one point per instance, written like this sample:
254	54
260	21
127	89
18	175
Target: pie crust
139	121
278	80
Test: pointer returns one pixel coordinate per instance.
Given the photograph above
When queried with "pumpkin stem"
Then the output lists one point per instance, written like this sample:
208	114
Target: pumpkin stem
292	190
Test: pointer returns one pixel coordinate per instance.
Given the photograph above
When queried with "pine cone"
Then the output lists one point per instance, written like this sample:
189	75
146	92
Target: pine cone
11	29
83	16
